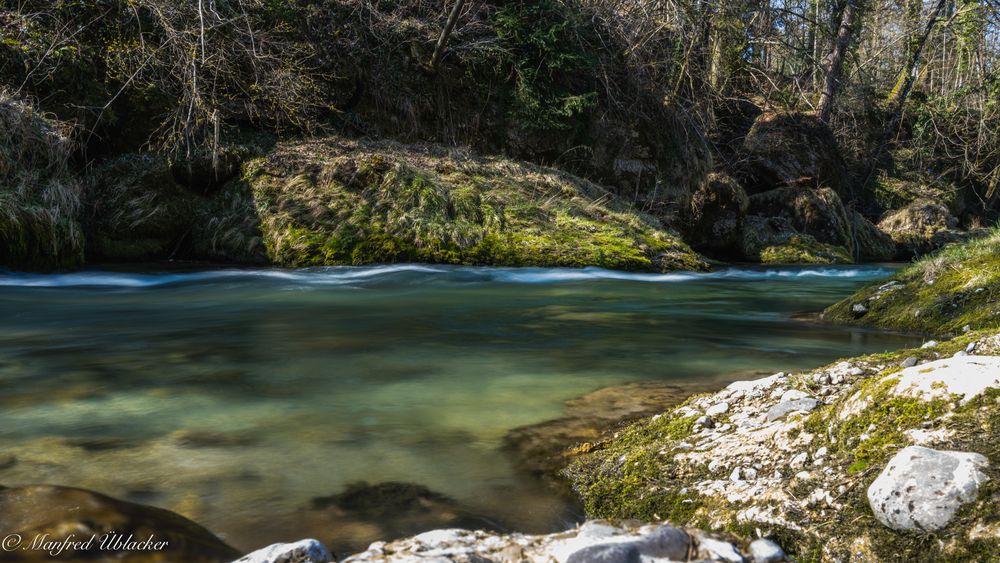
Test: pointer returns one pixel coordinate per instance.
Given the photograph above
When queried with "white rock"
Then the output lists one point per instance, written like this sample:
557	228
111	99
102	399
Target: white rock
821	453
908	362
921	488
968	376
799	460
305	551
716	550
718	409
856	371
793	395
765	551
930	344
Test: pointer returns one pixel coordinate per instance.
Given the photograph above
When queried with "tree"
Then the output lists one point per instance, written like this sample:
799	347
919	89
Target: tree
835	60
449	26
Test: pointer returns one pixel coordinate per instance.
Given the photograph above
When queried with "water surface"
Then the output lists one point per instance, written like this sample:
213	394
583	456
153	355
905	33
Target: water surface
237	396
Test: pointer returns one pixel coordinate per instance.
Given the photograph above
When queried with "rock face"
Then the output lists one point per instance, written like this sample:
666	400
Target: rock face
788	149
591	542
62	511
870	244
921	489
717	211
304	551
921	227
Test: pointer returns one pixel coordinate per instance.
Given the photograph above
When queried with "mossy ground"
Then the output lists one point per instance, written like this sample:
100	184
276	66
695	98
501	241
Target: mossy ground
335	202
942	294
635	474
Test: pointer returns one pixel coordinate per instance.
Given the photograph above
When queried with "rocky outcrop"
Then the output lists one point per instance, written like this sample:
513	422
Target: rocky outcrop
109	529
945	293
793	149
787	452
817	212
591	542
339	202
921	228
336	202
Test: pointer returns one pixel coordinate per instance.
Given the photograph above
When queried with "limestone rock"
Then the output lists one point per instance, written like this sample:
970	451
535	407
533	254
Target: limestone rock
766	551
785	408
304	551
921	488
967	376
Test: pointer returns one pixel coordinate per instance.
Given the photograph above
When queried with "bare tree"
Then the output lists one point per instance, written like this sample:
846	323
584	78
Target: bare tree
449	26
835	61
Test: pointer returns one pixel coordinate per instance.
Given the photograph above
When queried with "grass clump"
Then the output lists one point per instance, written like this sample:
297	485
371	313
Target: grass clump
944	293
39	198
336	202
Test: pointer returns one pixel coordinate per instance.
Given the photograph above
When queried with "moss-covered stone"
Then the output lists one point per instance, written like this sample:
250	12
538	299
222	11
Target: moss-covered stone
803	249
340	202
941	294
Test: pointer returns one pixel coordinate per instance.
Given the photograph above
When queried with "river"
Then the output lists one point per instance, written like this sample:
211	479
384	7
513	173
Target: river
236	397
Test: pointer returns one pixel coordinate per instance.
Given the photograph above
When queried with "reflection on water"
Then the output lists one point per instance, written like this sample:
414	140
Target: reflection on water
236	397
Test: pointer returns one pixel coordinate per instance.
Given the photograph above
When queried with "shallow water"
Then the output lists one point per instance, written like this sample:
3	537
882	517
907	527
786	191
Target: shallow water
236	396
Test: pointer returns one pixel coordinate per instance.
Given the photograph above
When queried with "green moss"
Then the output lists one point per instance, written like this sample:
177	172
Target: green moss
331	202
941	294
804	249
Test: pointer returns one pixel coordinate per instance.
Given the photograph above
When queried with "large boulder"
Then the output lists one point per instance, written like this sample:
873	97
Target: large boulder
67	514
817	212
921	489
921	227
773	240
717	211
304	551
785	149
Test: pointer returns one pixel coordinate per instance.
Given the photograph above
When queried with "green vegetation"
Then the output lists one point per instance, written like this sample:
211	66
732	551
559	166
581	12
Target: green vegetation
941	294
39	197
804	249
340	202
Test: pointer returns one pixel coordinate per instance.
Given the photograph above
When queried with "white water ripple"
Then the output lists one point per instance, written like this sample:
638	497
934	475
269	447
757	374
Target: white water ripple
365	275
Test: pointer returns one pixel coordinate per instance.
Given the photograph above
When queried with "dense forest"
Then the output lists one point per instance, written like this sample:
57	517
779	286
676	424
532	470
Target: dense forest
774	132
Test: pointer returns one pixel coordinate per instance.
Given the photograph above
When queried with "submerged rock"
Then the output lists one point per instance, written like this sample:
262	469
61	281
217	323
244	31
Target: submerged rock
921	489
62	512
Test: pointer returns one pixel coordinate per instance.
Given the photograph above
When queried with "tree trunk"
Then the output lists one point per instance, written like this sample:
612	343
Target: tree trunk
836	60
908	74
446	33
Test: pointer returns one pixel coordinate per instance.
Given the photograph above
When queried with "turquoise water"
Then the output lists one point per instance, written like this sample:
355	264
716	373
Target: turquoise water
237	396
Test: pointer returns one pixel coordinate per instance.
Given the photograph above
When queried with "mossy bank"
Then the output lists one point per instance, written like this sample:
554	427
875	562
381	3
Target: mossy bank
950	292
341	202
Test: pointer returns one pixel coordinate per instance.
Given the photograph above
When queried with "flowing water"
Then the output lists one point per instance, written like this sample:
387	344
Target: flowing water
237	396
